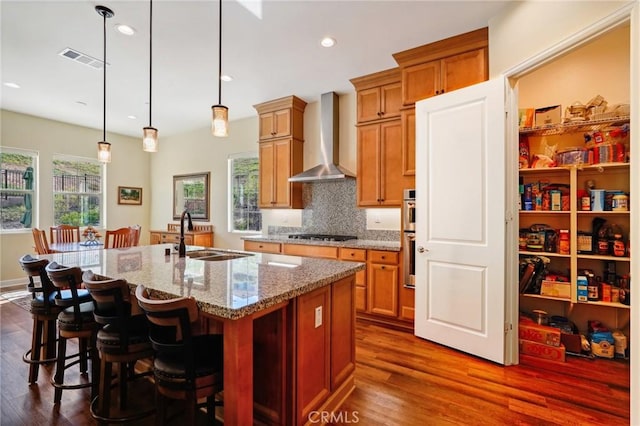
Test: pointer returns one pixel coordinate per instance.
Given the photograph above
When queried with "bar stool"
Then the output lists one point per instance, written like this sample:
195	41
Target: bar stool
123	339
75	320
186	366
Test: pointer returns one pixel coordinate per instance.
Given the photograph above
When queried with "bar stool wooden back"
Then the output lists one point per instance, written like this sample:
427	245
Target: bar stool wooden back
123	340
44	312
186	366
75	320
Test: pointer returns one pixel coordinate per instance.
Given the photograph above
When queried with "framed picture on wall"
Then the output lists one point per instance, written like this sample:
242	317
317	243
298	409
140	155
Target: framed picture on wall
130	195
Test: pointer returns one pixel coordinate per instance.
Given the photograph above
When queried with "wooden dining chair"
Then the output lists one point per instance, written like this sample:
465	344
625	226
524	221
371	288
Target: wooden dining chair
64	234
135	234
41	245
118	238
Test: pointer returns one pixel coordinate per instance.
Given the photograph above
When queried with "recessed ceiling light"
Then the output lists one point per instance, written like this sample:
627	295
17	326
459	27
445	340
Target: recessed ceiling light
125	29
225	77
131	117
81	103
328	42
12	85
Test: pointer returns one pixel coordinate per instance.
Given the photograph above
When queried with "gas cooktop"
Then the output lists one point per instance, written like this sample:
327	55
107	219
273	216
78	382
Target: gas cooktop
322	237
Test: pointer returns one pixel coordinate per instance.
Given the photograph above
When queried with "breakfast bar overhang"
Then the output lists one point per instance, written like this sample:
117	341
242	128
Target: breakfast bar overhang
288	322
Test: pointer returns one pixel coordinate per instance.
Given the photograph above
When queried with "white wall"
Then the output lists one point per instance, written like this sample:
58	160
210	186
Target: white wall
129	167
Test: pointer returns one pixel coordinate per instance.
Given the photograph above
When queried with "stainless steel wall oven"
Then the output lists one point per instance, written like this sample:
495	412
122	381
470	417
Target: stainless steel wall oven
409	237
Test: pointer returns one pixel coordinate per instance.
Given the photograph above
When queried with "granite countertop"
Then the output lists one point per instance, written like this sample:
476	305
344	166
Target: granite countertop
228	289
357	244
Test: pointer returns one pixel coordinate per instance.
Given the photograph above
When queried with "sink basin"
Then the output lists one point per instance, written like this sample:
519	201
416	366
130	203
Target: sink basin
215	255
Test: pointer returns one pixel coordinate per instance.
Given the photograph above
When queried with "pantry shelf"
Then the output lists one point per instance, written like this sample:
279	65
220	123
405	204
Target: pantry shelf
579	126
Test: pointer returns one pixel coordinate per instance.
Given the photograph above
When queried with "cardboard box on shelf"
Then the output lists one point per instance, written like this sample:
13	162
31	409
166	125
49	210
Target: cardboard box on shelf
543	334
548	116
554	353
561	290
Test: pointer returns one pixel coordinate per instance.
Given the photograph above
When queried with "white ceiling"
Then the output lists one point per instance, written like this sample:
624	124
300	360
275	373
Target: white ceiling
275	55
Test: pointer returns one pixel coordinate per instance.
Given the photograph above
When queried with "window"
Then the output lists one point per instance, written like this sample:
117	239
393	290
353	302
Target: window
18	188
77	191
244	214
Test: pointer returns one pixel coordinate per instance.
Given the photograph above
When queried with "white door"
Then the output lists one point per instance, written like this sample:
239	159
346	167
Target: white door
460	222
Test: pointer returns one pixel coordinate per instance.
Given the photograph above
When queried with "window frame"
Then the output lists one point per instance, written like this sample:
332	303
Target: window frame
35	155
230	191
101	195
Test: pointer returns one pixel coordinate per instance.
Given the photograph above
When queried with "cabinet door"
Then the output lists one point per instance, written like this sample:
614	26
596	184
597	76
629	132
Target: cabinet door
420	81
391	178
463	70
266	197
266	126
407	303
409	142
282	123
368	181
368	104
383	289
282	172
154	238
390	100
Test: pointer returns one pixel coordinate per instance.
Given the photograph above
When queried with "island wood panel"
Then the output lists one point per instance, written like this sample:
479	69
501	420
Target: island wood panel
310	251
270	367
343	353
313	380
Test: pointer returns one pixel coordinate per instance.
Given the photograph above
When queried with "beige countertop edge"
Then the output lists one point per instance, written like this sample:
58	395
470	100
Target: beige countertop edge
234	314
361	244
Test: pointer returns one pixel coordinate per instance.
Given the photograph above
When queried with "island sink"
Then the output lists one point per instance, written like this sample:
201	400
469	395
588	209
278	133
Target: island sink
215	255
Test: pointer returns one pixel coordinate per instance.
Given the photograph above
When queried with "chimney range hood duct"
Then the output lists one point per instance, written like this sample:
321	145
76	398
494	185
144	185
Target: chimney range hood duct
329	145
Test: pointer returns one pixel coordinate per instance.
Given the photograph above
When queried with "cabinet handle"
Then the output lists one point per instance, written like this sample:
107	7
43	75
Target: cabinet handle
353	254
382	267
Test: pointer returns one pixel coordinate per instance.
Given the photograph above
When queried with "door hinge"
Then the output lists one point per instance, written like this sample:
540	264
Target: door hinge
507	327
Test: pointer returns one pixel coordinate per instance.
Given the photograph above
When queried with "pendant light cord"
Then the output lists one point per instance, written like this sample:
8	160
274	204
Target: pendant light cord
104	78
220	56
150	53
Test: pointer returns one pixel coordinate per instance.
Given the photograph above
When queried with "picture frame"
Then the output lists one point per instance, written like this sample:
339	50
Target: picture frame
191	193
130	195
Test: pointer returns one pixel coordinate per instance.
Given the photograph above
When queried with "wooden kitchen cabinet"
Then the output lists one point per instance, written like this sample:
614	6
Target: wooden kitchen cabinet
280	139
383	282
443	66
281	118
378	95
278	161
409	142
357	255
380	181
191	238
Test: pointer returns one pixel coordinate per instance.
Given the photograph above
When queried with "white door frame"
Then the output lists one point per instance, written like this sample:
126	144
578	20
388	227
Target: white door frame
629	12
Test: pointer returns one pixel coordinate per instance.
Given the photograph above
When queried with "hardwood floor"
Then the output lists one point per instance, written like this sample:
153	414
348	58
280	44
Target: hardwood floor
400	380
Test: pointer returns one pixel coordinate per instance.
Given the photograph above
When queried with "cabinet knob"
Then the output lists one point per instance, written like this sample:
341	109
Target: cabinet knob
382	267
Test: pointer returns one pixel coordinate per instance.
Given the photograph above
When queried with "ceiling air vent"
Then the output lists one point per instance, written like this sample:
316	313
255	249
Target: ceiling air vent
76	56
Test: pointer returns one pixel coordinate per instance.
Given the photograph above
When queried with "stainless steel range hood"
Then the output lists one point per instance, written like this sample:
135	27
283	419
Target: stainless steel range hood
329	145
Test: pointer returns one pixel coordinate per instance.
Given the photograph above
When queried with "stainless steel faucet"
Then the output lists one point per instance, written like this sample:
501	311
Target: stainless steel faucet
182	250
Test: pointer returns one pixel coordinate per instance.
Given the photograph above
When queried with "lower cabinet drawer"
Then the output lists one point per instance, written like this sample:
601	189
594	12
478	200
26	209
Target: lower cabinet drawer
262	246
173	238
310	251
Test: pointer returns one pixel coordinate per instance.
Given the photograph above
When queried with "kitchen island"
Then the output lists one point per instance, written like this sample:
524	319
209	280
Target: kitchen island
288	322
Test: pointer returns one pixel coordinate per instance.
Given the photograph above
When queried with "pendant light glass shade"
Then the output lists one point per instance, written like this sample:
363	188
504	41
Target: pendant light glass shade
220	120
220	113
104	152
104	147
150	139
149	133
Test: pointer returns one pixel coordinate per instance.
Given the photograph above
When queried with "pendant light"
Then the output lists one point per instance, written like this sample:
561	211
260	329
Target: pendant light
150	133
104	147
220	113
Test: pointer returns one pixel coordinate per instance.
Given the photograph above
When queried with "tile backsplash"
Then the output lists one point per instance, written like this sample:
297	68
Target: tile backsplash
330	208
